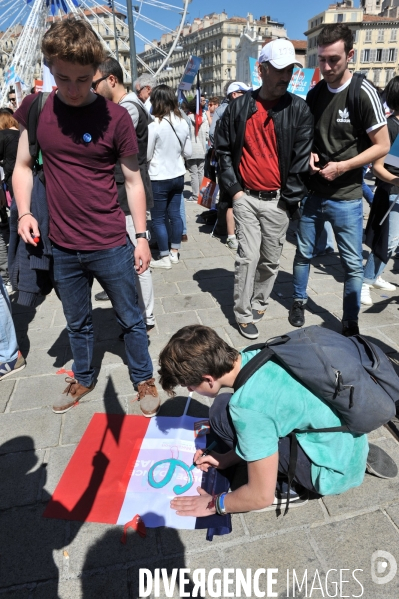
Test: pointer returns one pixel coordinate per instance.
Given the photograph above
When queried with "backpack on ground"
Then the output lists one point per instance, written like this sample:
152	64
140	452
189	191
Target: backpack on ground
351	374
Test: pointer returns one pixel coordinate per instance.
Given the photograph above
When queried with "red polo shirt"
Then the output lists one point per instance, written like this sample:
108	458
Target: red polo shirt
259	167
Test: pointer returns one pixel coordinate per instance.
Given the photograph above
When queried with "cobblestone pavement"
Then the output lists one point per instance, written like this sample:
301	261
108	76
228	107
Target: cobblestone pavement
45	559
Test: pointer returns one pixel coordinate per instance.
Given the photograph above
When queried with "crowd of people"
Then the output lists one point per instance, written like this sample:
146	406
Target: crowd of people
109	158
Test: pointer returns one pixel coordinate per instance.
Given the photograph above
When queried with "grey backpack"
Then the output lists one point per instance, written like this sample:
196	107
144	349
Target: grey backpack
350	373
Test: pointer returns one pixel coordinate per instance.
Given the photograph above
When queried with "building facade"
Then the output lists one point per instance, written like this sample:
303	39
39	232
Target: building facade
375	40
215	39
251	42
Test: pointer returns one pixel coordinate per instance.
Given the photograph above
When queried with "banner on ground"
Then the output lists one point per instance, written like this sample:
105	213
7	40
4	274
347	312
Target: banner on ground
190	72
129	465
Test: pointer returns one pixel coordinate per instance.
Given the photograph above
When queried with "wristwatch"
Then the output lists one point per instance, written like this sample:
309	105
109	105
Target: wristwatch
146	235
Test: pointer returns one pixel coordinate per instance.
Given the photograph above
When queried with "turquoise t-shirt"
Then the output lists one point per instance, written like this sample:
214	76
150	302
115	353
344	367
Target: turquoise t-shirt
271	404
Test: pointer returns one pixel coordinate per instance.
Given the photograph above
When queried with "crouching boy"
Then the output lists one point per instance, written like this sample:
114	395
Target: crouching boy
255	423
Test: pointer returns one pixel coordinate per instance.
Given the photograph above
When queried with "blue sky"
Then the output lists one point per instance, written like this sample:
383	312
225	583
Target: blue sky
293	13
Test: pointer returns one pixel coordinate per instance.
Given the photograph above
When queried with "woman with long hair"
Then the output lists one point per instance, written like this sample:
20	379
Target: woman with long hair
169	145
9	136
385	238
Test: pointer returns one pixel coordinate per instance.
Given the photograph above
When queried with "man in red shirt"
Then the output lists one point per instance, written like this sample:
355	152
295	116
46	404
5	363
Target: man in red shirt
81	136
263	144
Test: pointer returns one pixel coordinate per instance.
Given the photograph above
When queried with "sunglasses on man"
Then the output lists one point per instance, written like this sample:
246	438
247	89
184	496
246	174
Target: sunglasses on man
96	83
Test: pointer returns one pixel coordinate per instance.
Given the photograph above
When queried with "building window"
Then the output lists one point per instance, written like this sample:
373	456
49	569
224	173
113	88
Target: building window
229	42
368	36
389	74
381	35
376	76
365	56
355	35
392	54
339	18
354	16
229	57
378	55
393	35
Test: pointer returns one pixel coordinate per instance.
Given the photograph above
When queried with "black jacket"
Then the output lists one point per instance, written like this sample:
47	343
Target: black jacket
293	123
31	267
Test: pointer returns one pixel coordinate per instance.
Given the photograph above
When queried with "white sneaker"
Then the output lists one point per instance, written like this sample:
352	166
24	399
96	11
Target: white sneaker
365	297
381	284
163	262
232	243
174	257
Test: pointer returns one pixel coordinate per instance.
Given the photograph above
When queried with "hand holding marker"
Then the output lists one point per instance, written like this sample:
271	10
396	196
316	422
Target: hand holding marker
206	451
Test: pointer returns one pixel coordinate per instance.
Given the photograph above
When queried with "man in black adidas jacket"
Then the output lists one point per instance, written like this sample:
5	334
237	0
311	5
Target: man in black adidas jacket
263	145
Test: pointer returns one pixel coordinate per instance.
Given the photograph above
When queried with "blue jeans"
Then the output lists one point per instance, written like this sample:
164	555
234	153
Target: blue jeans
346	218
367	193
326	239
167	200
8	339
183	214
375	266
114	269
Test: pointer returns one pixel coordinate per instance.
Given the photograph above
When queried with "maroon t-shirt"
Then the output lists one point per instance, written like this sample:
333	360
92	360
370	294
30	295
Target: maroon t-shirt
81	191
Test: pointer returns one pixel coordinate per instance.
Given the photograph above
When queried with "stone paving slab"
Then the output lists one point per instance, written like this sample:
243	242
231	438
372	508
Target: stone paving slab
50	559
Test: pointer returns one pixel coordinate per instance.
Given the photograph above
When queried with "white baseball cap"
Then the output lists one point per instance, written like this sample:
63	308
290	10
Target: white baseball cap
280	53
237	86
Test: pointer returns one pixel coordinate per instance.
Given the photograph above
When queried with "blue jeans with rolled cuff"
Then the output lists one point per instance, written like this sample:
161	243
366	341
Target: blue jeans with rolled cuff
167	199
74	272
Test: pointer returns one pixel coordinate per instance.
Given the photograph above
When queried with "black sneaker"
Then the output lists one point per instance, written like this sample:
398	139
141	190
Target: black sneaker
296	316
248	330
257	315
380	463
349	328
101	297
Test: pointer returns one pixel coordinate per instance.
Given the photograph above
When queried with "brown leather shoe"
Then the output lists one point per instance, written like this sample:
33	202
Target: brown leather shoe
148	398
184	237
72	394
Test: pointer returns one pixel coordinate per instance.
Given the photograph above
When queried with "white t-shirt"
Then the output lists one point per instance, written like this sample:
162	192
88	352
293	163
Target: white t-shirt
168	147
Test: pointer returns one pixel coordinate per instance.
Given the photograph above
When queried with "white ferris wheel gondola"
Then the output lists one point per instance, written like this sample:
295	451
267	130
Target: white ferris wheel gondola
22	49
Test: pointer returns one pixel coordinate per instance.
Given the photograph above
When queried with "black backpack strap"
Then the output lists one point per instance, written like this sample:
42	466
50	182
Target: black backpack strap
312	98
253	365
32	122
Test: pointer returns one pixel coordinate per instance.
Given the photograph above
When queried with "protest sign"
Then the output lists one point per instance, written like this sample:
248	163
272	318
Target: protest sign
303	80
256	81
190	72
208	193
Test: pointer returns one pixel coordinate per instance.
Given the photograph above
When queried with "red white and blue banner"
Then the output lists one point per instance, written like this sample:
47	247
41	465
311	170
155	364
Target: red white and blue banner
130	465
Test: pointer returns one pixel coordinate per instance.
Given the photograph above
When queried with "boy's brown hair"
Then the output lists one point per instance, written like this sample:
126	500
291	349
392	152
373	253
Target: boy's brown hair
193	352
73	40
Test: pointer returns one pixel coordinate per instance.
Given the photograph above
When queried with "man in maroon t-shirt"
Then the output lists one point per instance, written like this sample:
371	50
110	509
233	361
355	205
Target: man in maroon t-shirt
81	136
263	144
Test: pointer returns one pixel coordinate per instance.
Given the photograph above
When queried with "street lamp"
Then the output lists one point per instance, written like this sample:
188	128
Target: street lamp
111	5
132	41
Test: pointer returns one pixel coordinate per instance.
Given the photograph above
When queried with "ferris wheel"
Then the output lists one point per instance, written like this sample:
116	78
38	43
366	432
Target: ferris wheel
21	45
